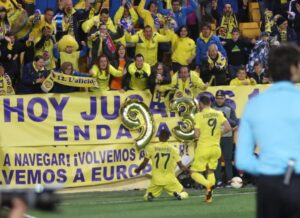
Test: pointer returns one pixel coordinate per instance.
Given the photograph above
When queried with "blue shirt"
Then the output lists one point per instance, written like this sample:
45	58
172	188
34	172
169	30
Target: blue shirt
272	121
179	16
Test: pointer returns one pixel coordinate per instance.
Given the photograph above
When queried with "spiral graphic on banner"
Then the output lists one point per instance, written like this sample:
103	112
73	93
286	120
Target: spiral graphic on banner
186	108
135	115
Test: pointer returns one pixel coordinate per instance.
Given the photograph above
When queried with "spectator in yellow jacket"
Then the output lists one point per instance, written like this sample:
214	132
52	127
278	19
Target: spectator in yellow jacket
184	83
103	17
44	46
151	17
103	71
147	43
242	79
126	15
183	49
66	51
39	21
11	6
137	74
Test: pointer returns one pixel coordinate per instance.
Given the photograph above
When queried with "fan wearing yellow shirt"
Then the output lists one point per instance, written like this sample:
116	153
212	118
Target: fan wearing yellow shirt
11	6
138	74
210	125
242	79
164	158
147	43
103	71
183	49
184	83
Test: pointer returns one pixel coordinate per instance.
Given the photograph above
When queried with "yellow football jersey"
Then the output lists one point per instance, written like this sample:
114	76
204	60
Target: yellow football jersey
210	122
164	158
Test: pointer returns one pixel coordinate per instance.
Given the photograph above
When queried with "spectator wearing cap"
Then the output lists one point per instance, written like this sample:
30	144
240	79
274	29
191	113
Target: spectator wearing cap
282	32
226	142
237	50
242	78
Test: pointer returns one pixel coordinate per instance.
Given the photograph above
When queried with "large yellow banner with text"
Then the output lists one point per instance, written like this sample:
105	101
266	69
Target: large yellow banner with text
71	166
88	118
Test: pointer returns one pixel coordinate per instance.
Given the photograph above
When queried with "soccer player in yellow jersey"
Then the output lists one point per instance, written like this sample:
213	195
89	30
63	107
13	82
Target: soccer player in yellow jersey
210	125
164	158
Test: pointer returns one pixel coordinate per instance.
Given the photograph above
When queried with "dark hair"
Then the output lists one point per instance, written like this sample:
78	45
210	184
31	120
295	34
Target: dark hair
164	135
241	68
280	61
9	34
204	99
206	24
152	2
48	9
256	63
235	30
37	58
119	45
166	69
180	29
104	11
3	9
107	67
65	66
147	26
46	27
139	55
177	1
183	66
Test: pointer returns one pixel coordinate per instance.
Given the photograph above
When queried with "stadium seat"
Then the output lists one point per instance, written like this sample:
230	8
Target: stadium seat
255	15
254	12
250	30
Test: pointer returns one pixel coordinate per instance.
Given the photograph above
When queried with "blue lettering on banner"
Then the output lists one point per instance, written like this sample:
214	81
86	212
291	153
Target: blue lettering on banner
78	176
8	110
116	106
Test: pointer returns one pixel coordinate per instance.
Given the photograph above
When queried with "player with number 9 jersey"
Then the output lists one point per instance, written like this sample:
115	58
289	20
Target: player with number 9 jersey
209	121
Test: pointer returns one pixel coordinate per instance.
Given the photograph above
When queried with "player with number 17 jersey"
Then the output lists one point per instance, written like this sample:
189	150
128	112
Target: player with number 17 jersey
207	153
164	159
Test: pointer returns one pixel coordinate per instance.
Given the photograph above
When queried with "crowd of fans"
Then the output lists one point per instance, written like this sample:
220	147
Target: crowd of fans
159	45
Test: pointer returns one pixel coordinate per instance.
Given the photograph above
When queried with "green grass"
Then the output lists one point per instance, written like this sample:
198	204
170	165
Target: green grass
227	203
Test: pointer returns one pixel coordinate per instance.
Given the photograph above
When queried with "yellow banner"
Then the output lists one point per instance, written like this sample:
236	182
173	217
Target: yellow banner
88	118
92	147
68	80
71	166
